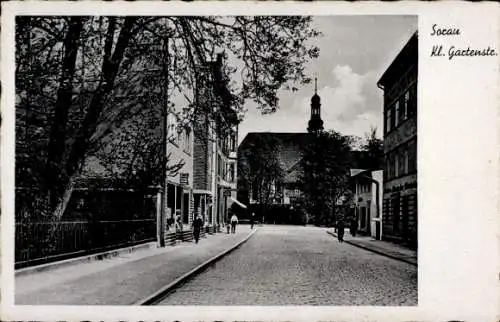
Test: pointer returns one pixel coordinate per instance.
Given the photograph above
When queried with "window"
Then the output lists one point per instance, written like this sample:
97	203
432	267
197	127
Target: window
412	106
402	164
396	165
405	160
187	140
396	114
389	120
406	104
219	166
393	165
412	156
231	172
178	139
233	142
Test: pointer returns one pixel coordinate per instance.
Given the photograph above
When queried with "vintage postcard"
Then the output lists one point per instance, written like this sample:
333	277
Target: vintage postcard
249	161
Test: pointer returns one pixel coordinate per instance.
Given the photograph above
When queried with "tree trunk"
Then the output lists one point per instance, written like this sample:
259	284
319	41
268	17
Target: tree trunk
80	147
57	138
61	206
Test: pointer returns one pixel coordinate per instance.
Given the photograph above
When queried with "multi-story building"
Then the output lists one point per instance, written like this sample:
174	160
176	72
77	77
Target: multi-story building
399	83
180	184
215	138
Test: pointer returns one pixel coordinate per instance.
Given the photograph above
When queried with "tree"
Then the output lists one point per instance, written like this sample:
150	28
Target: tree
374	148
78	80
325	178
260	170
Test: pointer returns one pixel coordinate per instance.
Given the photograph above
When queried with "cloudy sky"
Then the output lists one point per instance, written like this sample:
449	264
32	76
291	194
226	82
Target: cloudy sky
354	53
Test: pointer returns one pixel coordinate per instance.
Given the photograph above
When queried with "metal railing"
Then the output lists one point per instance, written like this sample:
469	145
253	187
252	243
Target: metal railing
34	244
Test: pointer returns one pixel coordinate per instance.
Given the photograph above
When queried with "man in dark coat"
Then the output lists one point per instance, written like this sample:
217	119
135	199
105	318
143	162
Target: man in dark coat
354	226
197	225
340	230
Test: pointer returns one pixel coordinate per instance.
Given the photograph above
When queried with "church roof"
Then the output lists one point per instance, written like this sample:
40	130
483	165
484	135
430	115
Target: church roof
291	145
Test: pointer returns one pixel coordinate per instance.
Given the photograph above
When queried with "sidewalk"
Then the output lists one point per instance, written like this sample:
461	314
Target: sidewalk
121	280
381	247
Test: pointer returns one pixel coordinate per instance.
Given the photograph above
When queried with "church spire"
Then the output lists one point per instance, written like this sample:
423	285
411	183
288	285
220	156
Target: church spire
315	123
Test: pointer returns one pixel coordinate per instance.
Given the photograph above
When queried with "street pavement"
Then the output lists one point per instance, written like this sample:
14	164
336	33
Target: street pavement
290	265
121	280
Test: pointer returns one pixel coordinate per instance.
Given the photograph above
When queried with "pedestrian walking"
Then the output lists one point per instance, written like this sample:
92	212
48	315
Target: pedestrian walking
252	220
354	226
340	230
234	221
197	225
178	225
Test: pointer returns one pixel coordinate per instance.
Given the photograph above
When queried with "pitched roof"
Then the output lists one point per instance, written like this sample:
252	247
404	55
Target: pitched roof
406	57
283	137
291	145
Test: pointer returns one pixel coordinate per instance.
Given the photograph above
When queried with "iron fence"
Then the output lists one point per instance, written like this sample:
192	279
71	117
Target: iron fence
34	243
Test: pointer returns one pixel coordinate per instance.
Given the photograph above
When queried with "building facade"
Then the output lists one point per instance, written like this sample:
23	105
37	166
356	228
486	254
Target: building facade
180	184
368	198
215	165
399	83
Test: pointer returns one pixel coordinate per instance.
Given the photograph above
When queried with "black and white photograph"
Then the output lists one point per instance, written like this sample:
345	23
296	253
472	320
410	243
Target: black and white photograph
228	160
272	154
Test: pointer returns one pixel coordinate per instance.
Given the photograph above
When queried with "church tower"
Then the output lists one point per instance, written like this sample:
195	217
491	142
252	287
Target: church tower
315	123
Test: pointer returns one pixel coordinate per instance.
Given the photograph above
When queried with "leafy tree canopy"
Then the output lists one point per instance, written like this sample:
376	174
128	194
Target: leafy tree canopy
82	80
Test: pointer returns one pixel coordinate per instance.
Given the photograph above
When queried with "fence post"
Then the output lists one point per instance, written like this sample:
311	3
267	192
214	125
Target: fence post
158	217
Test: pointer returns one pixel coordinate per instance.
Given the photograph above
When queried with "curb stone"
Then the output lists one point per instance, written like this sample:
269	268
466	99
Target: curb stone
376	251
166	290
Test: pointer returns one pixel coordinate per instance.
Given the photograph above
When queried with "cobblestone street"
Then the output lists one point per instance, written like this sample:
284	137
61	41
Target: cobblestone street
287	265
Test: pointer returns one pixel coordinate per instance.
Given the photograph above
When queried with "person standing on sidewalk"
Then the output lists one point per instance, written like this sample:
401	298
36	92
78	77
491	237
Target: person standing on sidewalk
197	225
234	221
340	230
178	225
354	226
252	220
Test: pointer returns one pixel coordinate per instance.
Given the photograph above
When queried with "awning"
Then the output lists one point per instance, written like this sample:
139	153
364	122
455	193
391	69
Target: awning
239	203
